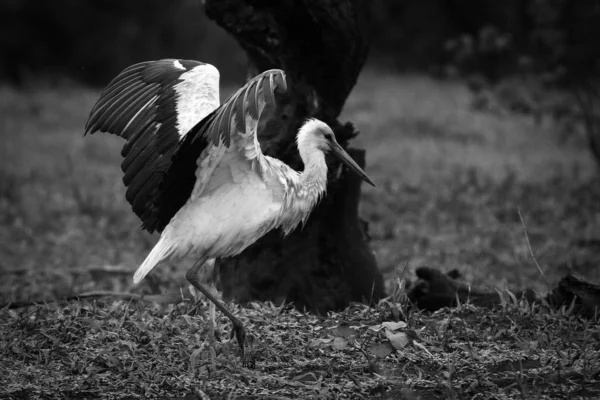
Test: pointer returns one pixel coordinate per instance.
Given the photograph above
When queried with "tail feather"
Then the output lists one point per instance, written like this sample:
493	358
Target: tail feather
160	252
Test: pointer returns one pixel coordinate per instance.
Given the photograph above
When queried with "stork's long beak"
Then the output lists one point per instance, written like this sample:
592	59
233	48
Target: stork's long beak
339	153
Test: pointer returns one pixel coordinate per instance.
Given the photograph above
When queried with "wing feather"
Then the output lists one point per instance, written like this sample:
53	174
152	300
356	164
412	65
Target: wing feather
133	139
138	157
101	117
220	128
140	118
143	106
256	105
122	116
116	87
269	99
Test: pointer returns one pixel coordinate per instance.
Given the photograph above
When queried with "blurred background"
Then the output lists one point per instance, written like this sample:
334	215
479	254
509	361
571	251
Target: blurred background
470	111
92	41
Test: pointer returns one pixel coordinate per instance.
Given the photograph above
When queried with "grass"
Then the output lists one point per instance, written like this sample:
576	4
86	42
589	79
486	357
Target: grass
451	182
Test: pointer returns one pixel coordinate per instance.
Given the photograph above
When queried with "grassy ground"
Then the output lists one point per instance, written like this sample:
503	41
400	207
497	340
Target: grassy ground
450	184
453	181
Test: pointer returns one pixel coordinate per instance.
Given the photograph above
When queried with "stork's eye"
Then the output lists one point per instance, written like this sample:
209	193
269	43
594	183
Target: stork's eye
328	135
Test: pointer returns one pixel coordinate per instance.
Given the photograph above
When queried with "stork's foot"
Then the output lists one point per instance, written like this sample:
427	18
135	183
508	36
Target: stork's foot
239	332
247	343
251	352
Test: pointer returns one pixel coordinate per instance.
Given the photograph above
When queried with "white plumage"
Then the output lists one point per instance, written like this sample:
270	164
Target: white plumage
197	95
195	170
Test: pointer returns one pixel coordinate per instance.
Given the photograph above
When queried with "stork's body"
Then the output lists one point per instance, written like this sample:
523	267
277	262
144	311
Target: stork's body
239	202
194	169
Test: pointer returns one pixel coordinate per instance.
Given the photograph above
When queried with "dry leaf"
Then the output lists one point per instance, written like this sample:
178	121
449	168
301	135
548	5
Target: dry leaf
398	339
389	325
393	326
412	334
343	330
194	358
340	343
309	377
419	345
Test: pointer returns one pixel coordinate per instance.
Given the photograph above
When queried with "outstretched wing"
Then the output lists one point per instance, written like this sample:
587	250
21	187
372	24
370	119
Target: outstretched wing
153	105
235	122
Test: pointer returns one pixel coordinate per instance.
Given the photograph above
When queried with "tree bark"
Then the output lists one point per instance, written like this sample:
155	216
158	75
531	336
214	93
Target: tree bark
322	46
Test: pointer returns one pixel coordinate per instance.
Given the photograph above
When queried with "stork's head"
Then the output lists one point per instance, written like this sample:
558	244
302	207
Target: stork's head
317	136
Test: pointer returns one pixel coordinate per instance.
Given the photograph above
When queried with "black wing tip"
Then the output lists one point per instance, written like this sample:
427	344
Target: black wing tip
144	72
91	126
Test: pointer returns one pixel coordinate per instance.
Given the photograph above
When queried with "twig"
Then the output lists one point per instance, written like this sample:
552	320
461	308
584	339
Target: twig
531	250
399	278
85	295
405	266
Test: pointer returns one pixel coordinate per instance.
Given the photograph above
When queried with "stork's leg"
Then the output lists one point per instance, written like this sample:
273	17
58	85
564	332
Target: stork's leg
238	327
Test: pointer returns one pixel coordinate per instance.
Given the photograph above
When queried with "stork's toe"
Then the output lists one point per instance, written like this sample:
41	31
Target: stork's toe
249	353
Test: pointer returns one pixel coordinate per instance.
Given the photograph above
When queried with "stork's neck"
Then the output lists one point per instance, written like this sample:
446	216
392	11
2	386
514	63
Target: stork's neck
313	180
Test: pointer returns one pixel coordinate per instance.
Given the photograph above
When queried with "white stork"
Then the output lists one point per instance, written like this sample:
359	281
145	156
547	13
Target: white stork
194	169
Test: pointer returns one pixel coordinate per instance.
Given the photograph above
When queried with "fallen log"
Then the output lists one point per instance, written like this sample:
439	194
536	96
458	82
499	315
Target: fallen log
435	290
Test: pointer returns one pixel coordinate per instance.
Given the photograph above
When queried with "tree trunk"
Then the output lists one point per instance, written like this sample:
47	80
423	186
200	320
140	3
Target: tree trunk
321	45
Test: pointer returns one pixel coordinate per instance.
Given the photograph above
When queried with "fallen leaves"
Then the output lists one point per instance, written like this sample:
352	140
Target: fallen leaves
381	350
392	326
339	343
88	348
343	330
384	338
